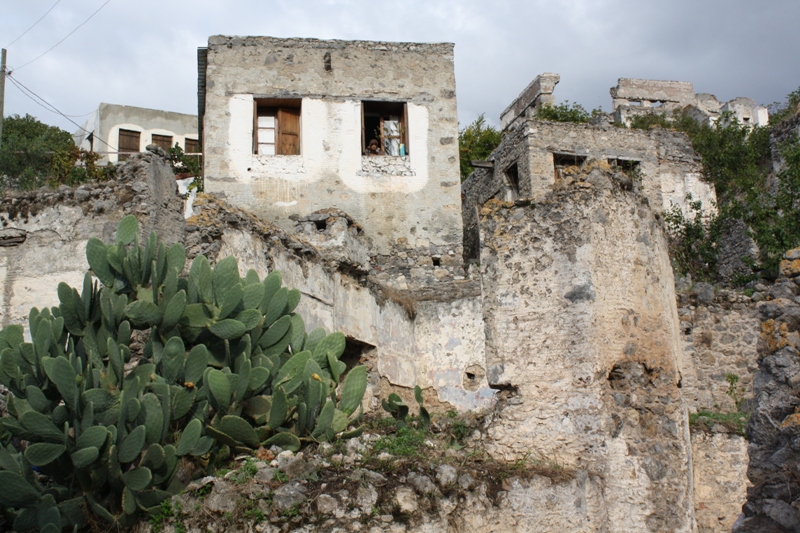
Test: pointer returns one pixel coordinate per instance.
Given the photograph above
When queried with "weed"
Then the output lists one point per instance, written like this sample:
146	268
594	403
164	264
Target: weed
204	490
280	477
735	422
245	472
165	512
406	442
291	512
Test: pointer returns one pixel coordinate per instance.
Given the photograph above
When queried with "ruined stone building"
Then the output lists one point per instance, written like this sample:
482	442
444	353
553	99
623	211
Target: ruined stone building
541	289
116	130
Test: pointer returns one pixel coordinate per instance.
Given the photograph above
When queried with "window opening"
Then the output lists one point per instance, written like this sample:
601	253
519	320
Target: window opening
562	161
625	165
512	176
355	352
437	261
128	143
163	141
277	127
384	128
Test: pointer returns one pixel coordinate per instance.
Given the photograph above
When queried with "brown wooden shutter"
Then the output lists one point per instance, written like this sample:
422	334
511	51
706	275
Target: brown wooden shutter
363	132
255	126
404	136
289	131
192	146
163	141
128	142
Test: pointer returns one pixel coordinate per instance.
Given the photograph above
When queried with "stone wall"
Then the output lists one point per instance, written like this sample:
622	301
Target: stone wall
720	337
774	427
582	334
719	464
418	200
44	233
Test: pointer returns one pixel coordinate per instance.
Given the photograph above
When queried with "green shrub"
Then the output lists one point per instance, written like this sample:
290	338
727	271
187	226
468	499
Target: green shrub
228	365
566	112
475	143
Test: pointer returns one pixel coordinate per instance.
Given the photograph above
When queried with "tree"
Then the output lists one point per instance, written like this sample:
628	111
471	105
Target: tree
27	149
475	143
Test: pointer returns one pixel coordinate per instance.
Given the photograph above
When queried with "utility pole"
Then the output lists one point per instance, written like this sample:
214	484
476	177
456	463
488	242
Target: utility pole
2	91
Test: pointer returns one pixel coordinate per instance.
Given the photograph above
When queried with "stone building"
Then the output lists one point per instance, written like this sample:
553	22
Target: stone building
128	129
288	125
535	156
634	97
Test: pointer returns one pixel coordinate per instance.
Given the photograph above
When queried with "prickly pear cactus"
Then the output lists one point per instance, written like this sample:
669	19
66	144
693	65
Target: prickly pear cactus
228	367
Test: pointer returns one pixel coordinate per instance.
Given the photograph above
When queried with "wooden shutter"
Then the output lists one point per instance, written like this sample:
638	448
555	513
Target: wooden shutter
404	136
192	146
128	142
163	141
289	131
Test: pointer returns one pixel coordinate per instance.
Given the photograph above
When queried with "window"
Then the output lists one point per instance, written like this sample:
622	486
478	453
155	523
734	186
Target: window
624	165
386	122
512	176
163	141
128	143
277	127
562	161
192	146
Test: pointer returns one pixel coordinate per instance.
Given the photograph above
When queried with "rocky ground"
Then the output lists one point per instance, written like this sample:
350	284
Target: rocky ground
386	480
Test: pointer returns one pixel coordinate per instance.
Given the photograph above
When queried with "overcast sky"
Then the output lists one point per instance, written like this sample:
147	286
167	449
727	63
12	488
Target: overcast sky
143	52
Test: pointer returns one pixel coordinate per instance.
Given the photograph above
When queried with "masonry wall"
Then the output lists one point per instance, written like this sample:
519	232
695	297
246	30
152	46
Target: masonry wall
582	332
418	200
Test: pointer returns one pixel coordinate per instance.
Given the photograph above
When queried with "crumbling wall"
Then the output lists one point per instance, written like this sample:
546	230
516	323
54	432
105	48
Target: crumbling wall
582	332
44	233
774	427
409	337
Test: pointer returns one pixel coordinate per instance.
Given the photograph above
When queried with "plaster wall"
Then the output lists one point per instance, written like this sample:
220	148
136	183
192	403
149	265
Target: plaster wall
422	201
109	119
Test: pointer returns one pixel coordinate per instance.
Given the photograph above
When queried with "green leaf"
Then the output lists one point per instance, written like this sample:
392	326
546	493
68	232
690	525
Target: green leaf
95	436
102	399
229	300
189	437
195	316
174	311
220	389
276	307
143	313
196	364
85	456
96	255
43	453
333	343
227	329
276	332
250	318
287	441
239	429
41	426
355	384
138	478
176	257
132	445
277	414
252	295
127	230
128	501
15	491
292	299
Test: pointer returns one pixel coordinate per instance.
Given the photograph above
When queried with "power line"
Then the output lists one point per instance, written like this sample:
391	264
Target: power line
65	38
34	24
50	107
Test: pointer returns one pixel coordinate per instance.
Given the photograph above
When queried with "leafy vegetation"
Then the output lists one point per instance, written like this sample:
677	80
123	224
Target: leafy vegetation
737	159
34	154
227	365
567	112
475	143
186	166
